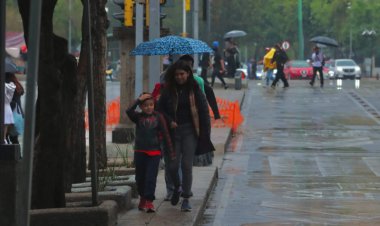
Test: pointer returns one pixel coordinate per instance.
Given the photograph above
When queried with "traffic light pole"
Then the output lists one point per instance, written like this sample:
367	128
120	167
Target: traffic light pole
139	80
154	32
196	28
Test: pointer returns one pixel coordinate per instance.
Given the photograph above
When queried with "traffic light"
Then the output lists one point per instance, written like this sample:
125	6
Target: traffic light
125	17
128	15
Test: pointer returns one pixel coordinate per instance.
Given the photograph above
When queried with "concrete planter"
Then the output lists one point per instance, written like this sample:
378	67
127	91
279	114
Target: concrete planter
103	215
122	195
117	181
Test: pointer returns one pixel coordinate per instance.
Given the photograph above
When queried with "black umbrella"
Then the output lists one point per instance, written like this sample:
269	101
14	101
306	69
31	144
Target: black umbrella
234	34
10	67
325	41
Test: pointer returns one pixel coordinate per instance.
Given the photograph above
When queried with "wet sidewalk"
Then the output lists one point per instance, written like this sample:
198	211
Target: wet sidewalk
204	179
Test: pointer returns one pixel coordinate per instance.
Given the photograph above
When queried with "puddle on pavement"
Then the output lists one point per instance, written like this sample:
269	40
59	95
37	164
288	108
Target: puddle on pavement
351	120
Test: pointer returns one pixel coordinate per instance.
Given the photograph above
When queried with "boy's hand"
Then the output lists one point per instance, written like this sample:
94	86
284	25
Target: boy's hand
144	97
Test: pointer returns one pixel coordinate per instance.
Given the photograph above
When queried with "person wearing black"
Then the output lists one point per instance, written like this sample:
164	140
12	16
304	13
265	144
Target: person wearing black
185	108
205	64
218	65
280	58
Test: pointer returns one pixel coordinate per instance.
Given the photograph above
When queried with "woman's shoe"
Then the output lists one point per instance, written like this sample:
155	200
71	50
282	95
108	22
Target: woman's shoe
186	207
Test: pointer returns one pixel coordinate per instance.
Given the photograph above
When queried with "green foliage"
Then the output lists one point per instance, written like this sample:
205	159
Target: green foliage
270	21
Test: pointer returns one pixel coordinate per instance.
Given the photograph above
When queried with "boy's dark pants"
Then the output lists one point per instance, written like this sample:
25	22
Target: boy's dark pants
146	174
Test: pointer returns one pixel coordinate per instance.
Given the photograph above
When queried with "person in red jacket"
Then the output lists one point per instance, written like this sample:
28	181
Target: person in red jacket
152	135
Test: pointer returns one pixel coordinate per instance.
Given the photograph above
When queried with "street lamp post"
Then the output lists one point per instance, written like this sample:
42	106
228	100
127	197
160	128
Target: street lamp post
370	34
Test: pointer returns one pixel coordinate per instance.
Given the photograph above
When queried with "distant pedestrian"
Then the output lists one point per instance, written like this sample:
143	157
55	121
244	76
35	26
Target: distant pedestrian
317	61
218	65
9	90
232	56
269	66
280	58
205	65
18	114
185	108
151	136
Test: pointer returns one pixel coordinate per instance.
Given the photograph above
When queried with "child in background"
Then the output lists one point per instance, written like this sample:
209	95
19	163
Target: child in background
151	134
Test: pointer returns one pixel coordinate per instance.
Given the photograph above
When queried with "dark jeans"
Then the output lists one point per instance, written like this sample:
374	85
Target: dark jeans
216	73
185	145
146	174
315	70
280	75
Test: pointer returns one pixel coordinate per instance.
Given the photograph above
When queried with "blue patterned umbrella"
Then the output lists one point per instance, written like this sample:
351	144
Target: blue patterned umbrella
171	45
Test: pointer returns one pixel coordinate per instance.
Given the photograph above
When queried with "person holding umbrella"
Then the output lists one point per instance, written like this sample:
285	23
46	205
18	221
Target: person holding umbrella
185	108
318	60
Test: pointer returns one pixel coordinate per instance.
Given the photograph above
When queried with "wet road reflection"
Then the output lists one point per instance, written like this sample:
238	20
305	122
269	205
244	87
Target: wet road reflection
305	156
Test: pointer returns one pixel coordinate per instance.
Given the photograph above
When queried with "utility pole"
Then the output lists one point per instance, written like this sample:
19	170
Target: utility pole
139	59
196	27
154	32
70	26
184	19
300	32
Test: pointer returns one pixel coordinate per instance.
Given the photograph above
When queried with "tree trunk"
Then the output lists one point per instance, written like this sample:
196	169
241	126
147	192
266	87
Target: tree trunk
48	180
99	25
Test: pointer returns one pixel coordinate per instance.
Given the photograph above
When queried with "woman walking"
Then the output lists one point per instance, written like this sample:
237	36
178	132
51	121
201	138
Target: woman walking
186	110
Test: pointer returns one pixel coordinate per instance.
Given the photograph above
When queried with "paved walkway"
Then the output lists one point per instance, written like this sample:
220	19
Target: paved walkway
204	179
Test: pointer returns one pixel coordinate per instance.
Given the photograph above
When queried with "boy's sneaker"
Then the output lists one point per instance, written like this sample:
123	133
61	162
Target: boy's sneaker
175	197
149	207
186	207
142	204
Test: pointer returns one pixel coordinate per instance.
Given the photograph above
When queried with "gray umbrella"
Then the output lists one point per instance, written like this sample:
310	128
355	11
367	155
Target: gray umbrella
10	67
234	34
325	41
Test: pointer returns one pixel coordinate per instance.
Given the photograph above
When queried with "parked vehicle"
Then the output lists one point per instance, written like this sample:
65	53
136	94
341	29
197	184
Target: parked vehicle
345	69
298	69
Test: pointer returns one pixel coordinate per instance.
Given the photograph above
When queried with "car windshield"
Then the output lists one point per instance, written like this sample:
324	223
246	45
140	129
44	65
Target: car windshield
345	63
299	64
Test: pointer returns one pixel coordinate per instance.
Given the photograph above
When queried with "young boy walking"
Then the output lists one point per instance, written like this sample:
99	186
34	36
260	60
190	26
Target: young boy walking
151	135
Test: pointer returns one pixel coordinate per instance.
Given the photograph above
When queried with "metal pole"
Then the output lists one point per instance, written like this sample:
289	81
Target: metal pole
208	20
70	9
184	18
196	27
350	54
90	85
139	59
30	106
2	68
300	32
154	32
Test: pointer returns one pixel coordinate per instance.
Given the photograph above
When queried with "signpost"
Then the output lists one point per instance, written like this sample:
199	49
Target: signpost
285	45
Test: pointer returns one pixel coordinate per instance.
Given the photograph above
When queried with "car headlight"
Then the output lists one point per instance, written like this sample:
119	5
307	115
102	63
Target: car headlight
339	69
331	73
357	69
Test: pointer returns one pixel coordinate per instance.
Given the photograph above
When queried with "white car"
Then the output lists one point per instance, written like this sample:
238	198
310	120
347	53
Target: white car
345	68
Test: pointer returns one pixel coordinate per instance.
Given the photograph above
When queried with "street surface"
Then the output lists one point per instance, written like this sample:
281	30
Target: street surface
304	156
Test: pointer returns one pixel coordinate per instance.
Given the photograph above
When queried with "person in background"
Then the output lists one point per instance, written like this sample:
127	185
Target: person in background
151	135
280	58
317	61
9	90
185	108
218	65
12	135
205	64
269	66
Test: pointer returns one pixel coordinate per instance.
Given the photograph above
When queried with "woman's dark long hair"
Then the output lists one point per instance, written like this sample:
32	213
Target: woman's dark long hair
171	83
10	77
